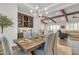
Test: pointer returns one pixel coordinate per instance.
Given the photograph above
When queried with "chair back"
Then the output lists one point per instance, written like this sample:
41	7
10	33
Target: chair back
6	46
26	34
50	43
55	43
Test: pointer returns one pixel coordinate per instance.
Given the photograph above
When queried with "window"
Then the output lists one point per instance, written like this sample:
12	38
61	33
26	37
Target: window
51	28
67	26
71	27
58	26
78	26
75	26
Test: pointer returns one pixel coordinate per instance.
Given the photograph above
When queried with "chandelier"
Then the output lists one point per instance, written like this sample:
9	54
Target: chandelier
37	11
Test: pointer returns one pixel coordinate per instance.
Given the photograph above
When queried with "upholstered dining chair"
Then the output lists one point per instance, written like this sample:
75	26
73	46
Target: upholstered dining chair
6	46
55	42
50	43
29	34
26	34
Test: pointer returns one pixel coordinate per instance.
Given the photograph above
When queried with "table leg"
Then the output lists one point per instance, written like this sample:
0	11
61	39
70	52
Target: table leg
28	53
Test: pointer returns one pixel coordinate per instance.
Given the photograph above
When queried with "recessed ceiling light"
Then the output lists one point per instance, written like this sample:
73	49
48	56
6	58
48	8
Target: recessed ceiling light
37	7
31	11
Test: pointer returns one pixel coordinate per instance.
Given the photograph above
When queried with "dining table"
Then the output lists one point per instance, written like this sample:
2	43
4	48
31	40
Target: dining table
29	45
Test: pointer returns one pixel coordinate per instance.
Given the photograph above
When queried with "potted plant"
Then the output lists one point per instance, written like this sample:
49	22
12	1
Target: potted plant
4	23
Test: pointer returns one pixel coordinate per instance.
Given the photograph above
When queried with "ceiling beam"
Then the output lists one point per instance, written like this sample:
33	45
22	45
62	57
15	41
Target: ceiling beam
52	20
64	13
48	18
77	12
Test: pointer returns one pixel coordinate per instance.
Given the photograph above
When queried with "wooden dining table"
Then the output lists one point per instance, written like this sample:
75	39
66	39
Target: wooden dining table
29	45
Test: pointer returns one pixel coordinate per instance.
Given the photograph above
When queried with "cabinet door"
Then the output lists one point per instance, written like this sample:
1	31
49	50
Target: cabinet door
20	35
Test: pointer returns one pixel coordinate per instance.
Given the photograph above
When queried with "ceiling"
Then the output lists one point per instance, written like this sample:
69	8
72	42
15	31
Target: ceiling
52	9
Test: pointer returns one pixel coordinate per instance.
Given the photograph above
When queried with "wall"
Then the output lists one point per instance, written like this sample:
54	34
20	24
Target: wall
10	10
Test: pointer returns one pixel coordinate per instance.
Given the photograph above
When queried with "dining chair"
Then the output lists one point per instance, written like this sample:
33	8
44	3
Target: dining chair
55	44
6	46
50	43
29	34
18	51
26	34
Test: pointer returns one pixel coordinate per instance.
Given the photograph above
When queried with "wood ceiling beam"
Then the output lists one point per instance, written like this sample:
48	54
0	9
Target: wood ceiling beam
52	20
64	13
77	12
49	18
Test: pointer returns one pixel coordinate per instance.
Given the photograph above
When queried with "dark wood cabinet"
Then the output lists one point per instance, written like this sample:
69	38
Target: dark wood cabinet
20	35
25	20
